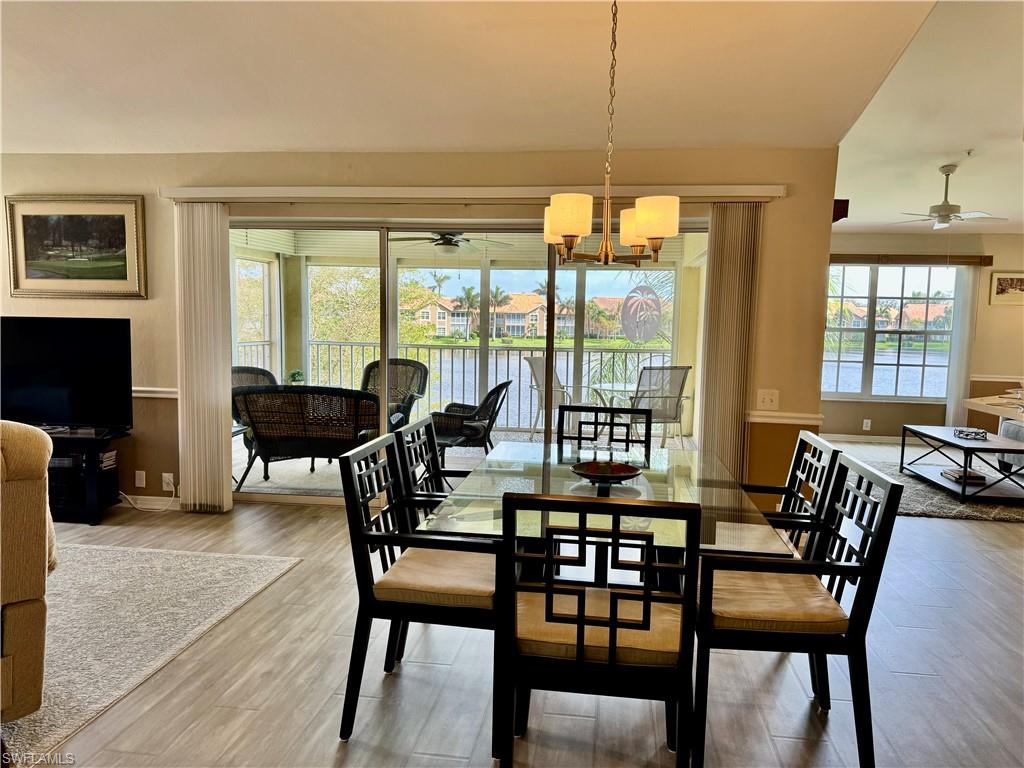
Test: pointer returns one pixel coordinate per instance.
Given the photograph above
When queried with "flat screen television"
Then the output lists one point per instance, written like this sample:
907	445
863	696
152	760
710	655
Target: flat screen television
66	371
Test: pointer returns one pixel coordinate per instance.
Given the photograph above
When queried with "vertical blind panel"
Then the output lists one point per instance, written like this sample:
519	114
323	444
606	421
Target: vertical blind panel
733	242
204	355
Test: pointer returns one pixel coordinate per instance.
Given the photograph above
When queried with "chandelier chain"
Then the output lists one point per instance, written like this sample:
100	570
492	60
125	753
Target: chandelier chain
611	88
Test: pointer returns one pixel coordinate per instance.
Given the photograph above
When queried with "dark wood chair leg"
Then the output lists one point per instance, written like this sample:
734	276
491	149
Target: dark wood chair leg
401	641
502	708
700	705
360	643
391	654
252	460
522	713
859	688
672	725
814	674
819	662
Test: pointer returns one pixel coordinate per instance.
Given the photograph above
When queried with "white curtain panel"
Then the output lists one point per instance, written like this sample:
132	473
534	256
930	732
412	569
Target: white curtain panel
204	356
958	382
733	244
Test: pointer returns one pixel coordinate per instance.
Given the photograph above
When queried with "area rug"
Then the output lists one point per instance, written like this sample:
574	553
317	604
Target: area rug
921	499
116	615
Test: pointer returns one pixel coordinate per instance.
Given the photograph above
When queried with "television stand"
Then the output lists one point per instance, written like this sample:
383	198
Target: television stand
80	487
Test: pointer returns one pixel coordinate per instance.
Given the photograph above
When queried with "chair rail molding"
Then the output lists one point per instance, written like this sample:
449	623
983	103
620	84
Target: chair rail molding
1019	378
785	417
204	355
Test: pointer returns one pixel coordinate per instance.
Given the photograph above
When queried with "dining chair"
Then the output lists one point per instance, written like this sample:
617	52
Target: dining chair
420	461
595	604
806	498
401	575
660	388
598	426
804	606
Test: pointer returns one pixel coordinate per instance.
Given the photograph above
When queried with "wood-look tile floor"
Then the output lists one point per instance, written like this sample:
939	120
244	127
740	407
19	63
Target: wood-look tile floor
265	687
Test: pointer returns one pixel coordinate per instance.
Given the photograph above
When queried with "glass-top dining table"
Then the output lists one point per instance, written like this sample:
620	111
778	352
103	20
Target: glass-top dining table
730	523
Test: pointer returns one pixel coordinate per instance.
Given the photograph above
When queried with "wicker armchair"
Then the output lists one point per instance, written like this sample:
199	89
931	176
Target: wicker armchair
248	376
292	422
469	426
407	383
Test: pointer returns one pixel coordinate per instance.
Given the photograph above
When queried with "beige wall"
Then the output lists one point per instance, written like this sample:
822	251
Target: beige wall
791	285
997	348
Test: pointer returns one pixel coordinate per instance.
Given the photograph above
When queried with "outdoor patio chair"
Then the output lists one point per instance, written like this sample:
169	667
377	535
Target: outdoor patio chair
248	376
291	422
407	383
469	426
660	388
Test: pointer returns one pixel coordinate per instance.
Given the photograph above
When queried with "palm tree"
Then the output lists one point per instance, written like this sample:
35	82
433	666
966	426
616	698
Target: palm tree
499	298
439	278
469	301
596	318
542	288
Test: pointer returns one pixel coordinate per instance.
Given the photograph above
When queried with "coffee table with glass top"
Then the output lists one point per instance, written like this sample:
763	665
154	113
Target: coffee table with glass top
730	523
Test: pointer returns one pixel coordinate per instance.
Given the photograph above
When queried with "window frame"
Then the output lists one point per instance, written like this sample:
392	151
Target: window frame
870	332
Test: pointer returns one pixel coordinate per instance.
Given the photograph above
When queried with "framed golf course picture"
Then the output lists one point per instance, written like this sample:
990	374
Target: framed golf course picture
68	246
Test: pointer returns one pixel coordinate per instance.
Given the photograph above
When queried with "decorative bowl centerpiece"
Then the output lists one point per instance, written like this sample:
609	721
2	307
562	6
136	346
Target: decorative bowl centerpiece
606	472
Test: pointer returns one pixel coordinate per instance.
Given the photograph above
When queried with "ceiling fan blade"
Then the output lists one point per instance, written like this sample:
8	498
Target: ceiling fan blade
492	243
923	215
978	215
908	221
411	239
468	247
940	225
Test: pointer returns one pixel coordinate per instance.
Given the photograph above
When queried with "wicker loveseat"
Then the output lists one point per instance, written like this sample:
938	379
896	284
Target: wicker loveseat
295	422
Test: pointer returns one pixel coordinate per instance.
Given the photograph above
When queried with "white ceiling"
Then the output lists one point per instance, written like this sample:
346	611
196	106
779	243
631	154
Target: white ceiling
959	86
422	76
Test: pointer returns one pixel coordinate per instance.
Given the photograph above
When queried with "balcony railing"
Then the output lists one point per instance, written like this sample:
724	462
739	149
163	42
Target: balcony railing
254	353
455	372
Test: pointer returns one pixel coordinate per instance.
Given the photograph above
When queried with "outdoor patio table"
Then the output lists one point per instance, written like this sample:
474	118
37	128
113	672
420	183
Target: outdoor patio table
730	523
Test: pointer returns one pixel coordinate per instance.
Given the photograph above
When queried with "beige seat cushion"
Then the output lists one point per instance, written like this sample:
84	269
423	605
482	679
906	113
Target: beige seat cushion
775	602
439	577
658	646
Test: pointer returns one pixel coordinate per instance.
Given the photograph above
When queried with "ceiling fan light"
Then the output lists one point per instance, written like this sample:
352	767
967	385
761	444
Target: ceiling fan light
446	249
657	216
627	228
572	213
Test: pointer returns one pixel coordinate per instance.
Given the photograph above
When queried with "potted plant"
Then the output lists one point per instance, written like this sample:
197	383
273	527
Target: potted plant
296	377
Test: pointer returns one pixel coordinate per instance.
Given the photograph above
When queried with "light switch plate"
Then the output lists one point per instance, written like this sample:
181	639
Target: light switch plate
866	426
140	478
167	481
767	399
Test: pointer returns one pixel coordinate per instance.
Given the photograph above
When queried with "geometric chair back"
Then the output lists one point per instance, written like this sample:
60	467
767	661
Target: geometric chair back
863	512
419	458
809	484
607	427
600	585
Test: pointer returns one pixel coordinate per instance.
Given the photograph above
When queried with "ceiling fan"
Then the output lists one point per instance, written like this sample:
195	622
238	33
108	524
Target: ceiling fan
945	213
450	243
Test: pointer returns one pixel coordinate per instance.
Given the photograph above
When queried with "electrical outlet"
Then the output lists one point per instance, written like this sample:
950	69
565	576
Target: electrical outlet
140	478
866	426
167	481
767	399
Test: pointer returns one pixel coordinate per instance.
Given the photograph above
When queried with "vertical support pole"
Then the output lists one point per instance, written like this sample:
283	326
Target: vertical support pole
549	345
385	329
484	331
579	315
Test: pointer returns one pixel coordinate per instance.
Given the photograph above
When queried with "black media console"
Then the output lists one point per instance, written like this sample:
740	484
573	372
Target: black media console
81	485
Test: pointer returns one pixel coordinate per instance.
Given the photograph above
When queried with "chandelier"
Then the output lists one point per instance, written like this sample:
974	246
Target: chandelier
570	216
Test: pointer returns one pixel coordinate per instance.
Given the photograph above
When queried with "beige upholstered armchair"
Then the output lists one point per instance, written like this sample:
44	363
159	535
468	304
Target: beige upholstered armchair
27	555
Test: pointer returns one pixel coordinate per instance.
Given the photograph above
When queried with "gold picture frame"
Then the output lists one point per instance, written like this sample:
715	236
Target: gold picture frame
77	246
1007	289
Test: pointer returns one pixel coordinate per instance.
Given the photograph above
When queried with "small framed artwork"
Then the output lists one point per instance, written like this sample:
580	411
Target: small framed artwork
1007	288
77	246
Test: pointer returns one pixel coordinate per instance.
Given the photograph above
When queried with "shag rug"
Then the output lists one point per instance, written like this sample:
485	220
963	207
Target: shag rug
922	499
116	615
